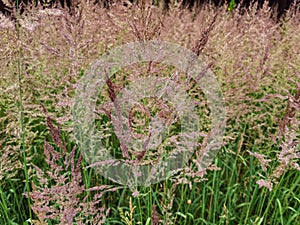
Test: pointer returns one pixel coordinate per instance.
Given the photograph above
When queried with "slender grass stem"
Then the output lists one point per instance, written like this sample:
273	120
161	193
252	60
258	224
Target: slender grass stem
21	113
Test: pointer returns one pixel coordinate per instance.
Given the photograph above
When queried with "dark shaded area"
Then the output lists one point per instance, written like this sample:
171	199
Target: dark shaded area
21	4
4	8
279	6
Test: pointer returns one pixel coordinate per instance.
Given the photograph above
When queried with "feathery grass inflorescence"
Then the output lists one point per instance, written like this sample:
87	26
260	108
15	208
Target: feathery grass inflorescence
59	194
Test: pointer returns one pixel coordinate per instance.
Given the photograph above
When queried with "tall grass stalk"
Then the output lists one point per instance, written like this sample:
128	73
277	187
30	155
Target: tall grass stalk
21	112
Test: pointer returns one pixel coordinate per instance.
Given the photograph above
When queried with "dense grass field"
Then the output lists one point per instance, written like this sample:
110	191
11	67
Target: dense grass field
46	177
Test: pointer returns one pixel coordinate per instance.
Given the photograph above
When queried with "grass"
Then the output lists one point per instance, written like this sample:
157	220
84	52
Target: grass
255	176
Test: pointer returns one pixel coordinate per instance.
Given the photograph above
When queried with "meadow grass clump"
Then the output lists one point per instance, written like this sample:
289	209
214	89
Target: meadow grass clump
59	194
255	177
